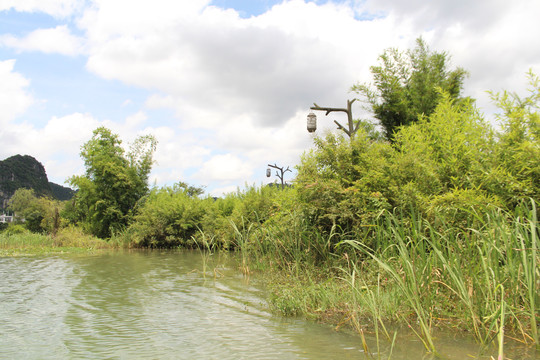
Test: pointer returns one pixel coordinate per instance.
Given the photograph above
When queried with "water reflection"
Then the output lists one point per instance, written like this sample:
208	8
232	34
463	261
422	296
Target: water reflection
154	305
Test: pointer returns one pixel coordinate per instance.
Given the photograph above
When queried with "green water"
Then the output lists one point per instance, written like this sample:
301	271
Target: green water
163	305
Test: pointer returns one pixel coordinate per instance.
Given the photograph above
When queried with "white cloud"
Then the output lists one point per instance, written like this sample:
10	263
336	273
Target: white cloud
57	40
226	167
439	13
56	8
57	145
14	98
240	88
176	155
135	120
264	67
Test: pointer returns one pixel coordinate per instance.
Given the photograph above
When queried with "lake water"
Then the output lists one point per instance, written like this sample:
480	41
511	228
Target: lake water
165	305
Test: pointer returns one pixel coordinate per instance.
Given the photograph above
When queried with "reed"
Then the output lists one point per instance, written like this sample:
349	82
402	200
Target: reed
364	297
206	245
527	234
486	277
403	271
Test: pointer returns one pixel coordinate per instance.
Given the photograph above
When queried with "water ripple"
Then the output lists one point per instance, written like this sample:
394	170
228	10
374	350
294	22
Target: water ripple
148	305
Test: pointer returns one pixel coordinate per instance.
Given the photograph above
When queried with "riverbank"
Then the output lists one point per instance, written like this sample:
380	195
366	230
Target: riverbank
422	276
20	242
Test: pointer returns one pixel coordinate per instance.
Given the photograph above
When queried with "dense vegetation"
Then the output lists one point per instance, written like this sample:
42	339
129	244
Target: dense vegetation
437	227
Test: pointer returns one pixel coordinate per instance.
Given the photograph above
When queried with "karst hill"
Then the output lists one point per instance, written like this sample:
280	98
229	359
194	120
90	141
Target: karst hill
24	171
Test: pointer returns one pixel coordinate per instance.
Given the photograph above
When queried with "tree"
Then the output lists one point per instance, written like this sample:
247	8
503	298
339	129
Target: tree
408	85
114	181
40	214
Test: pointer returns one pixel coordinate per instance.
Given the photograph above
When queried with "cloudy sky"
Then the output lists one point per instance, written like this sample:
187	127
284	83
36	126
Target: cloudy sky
225	85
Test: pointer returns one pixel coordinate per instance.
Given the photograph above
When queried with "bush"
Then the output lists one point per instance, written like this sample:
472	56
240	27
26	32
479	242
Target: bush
15	229
167	217
345	183
452	163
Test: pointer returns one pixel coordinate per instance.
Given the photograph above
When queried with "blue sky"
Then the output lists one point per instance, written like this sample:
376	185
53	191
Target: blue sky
225	86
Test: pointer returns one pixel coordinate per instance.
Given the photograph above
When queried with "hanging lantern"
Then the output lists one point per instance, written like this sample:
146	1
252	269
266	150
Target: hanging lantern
268	172
311	122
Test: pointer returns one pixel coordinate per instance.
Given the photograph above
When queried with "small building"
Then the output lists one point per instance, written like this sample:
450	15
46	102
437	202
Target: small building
6	218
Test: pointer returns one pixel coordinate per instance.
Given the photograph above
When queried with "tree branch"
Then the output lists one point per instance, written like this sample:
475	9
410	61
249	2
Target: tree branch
327	109
352	129
342	128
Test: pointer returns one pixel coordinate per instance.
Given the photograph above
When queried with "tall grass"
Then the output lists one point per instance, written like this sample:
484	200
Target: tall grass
406	262
528	242
67	239
368	298
484	278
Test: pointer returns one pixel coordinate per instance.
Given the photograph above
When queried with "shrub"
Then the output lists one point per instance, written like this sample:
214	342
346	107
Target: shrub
345	183
167	217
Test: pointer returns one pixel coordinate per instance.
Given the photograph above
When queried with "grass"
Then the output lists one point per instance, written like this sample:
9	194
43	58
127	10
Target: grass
423	274
67	240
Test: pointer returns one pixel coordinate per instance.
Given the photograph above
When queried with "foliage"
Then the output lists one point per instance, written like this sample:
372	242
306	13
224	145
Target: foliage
406	85
40	214
60	192
345	183
167	217
442	162
114	181
17	240
15	229
518	150
451	164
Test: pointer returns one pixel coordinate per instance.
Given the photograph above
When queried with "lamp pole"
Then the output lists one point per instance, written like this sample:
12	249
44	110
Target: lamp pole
278	174
351	129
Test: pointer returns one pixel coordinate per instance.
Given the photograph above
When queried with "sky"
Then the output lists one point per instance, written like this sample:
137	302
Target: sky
225	86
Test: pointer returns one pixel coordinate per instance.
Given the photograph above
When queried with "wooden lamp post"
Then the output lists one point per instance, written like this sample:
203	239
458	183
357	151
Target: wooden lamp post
350	130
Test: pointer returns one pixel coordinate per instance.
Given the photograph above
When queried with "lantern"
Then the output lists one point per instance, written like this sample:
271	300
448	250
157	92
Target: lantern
311	122
268	172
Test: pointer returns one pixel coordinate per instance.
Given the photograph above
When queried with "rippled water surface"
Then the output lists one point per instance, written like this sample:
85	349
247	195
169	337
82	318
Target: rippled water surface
154	305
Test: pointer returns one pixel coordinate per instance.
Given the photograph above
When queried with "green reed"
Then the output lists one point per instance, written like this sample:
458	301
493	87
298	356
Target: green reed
481	276
368	298
490	274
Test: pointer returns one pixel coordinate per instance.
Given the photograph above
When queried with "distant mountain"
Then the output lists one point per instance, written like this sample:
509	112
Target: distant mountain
23	171
61	192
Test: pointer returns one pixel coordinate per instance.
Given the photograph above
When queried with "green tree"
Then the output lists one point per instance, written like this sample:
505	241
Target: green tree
40	214
408	84
114	181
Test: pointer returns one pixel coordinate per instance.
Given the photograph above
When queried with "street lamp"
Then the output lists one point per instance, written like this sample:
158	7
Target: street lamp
351	128
311	122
